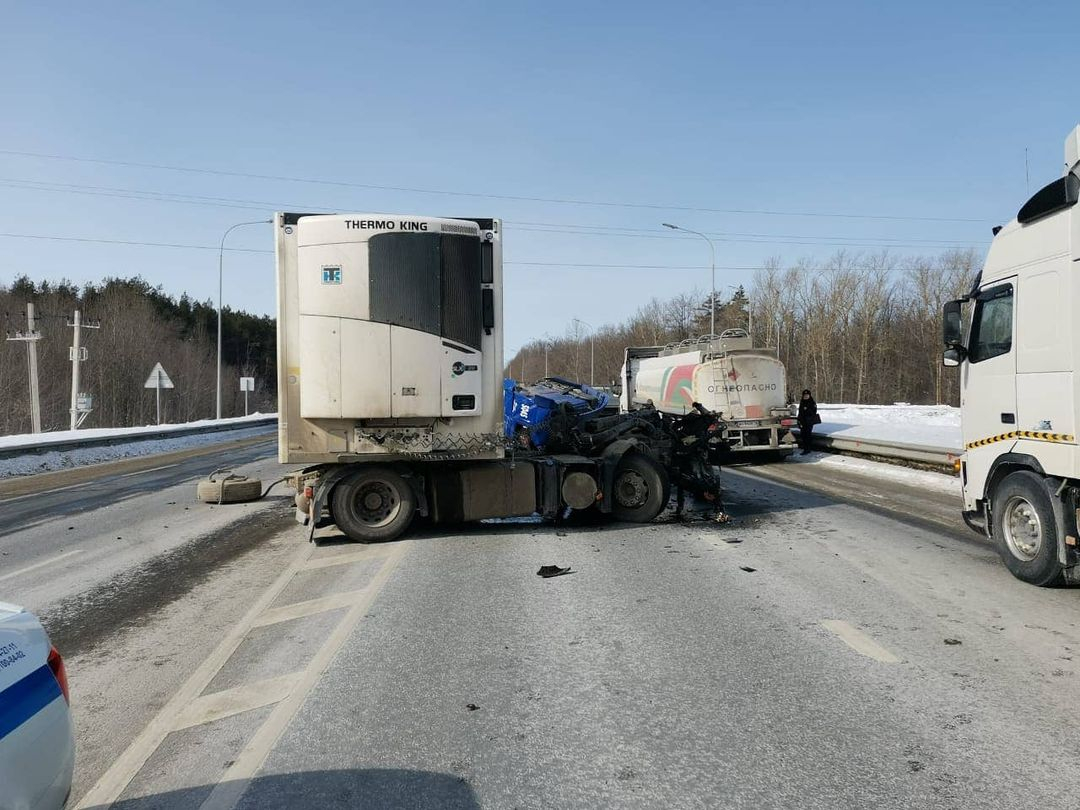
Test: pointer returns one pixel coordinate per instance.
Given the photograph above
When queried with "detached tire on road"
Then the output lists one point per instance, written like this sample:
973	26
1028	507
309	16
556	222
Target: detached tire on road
229	490
373	505
1025	528
640	490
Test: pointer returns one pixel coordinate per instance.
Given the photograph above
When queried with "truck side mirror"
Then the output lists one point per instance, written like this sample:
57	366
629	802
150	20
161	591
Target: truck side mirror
952	325
952	356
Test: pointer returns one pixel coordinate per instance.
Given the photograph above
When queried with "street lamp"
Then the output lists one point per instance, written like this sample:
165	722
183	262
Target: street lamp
221	259
592	351
712	256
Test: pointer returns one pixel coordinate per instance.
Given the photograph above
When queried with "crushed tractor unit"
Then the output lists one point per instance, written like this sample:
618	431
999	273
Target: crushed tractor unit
390	389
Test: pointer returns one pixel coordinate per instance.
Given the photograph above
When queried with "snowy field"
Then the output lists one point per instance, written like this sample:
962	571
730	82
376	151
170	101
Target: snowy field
924	425
32	462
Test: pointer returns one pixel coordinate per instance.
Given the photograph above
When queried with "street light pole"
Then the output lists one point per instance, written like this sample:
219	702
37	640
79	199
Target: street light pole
712	261
592	351
221	261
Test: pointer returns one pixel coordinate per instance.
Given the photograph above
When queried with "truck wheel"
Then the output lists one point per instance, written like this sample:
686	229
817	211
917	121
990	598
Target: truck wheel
373	504
640	491
1025	528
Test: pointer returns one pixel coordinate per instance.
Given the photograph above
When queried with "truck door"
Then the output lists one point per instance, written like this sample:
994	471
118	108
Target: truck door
988	393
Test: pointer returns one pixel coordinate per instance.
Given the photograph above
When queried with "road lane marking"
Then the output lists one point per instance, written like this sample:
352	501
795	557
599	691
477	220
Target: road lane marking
41	564
859	641
243	698
113	782
298	610
344	559
234	782
152	469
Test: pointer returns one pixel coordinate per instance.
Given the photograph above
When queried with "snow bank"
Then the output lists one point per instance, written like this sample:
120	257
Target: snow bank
30	463
925	425
30	440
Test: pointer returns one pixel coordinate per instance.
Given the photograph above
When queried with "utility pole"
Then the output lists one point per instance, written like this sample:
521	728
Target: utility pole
30	337
78	355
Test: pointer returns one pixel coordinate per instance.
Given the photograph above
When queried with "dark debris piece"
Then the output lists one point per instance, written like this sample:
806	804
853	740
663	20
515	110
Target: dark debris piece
952	642
472	707
548	571
747	569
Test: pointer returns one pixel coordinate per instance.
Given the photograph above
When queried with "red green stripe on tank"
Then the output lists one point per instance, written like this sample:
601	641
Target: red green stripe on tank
678	385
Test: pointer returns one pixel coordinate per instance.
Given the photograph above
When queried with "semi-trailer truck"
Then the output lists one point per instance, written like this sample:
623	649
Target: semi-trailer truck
1016	341
390	389
747	386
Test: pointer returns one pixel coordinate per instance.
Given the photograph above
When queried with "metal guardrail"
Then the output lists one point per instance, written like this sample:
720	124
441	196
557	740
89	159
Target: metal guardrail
47	445
903	451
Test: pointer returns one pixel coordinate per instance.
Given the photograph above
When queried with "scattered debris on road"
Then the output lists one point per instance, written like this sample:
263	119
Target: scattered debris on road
472	707
548	571
953	641
747	569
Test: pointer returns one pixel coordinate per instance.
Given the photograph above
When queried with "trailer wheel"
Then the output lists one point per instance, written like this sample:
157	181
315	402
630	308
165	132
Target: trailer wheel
372	505
1025	528
640	491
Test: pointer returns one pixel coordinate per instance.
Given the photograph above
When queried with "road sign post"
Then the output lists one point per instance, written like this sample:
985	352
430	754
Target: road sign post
157	380
246	384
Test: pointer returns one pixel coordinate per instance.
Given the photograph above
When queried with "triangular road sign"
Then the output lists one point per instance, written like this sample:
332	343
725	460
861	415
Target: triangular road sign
158	378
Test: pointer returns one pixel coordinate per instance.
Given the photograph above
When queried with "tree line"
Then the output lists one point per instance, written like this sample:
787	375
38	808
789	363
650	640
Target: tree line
855	328
140	326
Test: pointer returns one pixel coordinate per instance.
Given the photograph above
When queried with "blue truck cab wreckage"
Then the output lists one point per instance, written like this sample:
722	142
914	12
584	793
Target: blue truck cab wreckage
636	451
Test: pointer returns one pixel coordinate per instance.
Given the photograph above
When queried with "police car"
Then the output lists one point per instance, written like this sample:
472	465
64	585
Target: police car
37	744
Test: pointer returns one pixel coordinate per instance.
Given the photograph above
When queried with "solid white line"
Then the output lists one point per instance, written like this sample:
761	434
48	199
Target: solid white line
235	780
113	782
859	641
152	469
41	564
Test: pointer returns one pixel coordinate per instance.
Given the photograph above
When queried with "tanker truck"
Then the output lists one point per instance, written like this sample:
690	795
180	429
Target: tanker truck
390	390
747	387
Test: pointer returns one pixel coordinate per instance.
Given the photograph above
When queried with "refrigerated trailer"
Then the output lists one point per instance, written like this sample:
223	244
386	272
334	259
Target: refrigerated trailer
390	390
1016	341
747	386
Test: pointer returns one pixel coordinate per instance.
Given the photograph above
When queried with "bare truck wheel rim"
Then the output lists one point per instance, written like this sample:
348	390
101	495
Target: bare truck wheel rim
631	489
1022	529
377	504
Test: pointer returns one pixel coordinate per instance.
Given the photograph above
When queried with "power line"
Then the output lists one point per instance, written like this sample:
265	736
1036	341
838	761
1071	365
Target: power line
52	238
478	195
565	265
538	227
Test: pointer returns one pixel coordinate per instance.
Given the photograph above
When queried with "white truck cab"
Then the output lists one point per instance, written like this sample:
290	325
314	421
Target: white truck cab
1015	339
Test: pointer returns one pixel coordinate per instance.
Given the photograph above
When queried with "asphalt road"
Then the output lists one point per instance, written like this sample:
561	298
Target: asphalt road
822	649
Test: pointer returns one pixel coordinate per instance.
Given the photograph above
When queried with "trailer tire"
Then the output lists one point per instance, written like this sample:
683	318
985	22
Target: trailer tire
373	505
230	489
640	490
1025	528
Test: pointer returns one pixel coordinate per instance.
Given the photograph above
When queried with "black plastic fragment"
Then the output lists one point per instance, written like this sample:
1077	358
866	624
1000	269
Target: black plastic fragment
747	569
548	571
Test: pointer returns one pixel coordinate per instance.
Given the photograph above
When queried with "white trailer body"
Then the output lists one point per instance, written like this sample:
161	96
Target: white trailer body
389	337
746	386
1020	402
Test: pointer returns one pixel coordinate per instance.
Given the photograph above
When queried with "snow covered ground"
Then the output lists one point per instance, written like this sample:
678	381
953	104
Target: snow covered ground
923	479
925	425
31	462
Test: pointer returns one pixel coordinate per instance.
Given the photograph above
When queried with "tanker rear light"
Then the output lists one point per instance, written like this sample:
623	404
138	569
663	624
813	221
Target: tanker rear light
788	422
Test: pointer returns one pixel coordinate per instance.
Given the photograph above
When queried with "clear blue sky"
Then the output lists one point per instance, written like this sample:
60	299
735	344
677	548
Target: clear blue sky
893	109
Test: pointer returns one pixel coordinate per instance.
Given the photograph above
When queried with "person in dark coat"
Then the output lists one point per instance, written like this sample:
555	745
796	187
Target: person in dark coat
808	417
